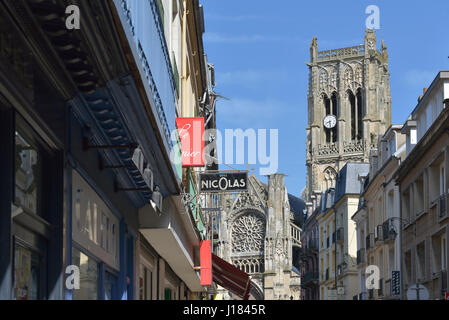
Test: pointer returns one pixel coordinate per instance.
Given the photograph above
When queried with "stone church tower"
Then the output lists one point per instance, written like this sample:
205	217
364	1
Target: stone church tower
349	107
258	234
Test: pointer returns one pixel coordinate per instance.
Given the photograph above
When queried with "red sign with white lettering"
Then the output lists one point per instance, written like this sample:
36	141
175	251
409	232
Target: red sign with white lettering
191	133
206	262
447	295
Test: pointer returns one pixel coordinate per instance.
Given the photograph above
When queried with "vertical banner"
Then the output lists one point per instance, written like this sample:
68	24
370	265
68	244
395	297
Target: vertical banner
191	133
206	262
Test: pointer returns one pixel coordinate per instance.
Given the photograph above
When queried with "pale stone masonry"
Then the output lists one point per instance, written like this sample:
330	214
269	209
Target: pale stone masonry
352	86
257	233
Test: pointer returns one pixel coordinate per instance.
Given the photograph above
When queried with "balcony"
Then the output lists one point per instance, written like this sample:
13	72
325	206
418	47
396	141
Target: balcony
337	54
379	235
361	256
389	231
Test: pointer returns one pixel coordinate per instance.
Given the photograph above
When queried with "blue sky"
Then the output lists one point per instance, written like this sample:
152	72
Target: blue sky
260	47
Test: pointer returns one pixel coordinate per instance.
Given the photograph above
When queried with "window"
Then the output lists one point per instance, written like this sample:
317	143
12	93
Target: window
419	196
27	273
109	286
168	294
406	205
89	270
421	259
356	105
330	106
28	170
145	284
408	267
443	253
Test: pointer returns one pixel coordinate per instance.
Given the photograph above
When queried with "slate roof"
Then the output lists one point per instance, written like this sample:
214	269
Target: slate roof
348	179
297	206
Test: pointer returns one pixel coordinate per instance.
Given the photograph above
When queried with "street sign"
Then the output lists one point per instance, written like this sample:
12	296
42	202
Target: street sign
332	294
417	292
396	283
223	182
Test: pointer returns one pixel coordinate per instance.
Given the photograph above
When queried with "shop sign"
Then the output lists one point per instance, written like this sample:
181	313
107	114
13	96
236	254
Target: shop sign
191	134
224	182
206	262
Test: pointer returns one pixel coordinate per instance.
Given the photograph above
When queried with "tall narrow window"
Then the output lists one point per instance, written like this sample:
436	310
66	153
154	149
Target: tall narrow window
334	112
351	99
359	115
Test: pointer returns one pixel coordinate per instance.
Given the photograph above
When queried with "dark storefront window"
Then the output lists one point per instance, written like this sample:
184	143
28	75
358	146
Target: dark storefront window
28	169
89	271
109	286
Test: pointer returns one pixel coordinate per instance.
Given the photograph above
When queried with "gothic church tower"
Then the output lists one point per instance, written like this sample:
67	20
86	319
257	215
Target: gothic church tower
349	107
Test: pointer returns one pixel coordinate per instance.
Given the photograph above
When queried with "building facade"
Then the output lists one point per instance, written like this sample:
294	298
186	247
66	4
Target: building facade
378	219
349	107
87	120
257	232
423	181
338	245
308	253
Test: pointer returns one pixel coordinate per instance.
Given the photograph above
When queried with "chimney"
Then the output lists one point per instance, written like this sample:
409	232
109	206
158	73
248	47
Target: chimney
423	93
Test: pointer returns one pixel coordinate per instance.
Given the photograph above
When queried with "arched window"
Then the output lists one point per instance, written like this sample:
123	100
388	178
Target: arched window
331	108
330	176
356	115
334	111
359	115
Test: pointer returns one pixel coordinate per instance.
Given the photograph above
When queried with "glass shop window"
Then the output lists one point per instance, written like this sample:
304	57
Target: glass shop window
28	169
89	270
145	283
109	286
27	273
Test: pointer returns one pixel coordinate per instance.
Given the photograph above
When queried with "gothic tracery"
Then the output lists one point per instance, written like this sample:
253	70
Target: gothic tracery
248	233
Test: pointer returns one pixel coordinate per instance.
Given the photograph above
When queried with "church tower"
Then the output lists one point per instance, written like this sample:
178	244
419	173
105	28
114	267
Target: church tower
349	107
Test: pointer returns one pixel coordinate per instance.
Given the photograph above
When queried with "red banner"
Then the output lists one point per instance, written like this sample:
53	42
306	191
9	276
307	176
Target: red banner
206	262
191	133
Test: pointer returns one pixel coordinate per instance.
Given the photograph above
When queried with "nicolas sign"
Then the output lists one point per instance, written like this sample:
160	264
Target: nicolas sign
224	182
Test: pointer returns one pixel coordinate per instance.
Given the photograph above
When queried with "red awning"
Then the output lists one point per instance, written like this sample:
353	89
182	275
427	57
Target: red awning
230	277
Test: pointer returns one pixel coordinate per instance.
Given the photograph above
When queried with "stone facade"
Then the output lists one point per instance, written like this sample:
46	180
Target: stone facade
257	234
352	86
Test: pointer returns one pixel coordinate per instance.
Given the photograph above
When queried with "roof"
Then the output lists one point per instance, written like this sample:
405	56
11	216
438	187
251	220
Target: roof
297	206
348	179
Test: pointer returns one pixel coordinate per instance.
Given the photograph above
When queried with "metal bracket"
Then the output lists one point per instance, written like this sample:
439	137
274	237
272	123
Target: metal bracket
87	147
